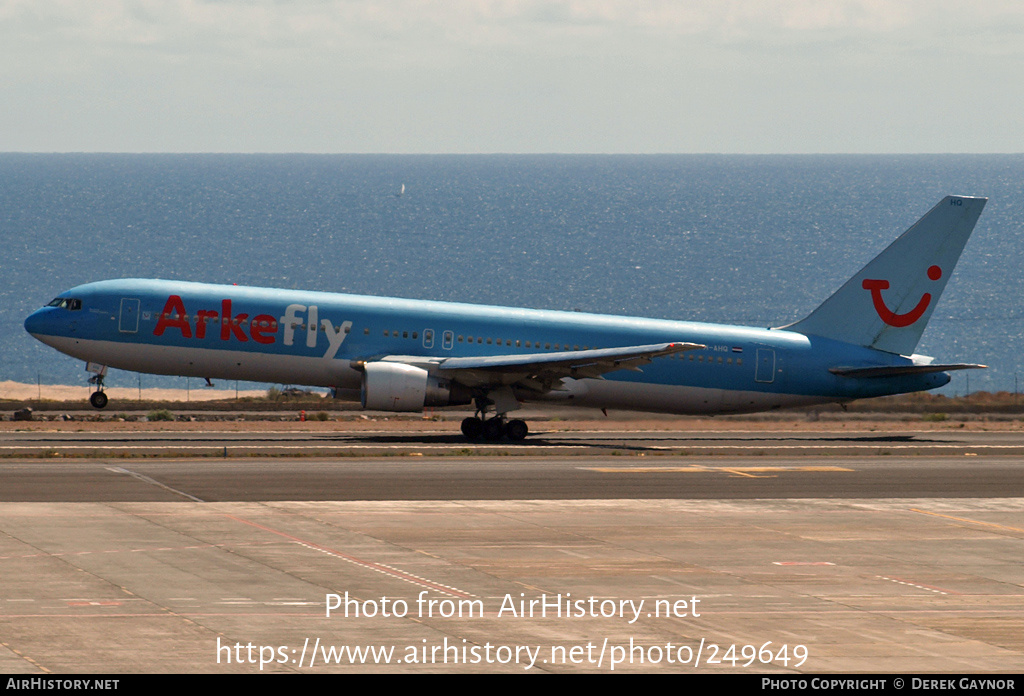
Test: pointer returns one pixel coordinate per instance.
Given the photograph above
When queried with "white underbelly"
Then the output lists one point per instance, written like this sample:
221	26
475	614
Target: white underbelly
205	362
665	398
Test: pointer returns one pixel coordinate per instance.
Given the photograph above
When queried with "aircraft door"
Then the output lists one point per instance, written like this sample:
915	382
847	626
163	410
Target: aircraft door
428	338
765	370
129	322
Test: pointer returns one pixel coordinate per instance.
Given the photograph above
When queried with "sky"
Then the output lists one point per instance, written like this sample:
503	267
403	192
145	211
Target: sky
503	76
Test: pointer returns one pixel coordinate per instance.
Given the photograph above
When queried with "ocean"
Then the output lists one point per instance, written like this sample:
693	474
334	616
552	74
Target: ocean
753	240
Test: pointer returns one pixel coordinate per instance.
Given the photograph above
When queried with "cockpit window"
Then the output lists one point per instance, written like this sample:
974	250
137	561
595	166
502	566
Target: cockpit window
69	303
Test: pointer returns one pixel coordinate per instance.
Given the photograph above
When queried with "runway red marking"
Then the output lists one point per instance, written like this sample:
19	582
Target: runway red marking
379	567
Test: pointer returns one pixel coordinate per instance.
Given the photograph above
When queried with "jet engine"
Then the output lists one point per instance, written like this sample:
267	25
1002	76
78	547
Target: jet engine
390	386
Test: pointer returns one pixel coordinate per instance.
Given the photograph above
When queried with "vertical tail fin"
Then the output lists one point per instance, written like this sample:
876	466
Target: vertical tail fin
888	304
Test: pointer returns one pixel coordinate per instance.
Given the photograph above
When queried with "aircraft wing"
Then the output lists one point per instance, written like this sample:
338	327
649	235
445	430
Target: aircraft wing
542	372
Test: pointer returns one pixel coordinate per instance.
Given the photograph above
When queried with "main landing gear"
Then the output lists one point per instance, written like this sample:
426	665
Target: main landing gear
496	427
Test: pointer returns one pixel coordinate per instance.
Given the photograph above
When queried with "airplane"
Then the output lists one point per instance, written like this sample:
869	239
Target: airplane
405	355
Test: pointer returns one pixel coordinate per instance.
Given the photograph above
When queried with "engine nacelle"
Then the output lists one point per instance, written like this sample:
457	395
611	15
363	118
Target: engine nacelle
390	386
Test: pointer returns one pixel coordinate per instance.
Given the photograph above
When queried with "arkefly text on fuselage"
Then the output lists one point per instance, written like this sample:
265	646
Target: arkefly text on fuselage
404	355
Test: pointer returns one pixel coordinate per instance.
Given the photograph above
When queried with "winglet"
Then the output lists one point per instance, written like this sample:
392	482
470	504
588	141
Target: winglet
889	302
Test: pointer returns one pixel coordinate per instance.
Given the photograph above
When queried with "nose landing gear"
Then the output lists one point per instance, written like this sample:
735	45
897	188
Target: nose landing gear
98	399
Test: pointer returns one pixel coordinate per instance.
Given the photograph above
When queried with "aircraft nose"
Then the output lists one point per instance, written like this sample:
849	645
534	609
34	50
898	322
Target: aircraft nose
36	322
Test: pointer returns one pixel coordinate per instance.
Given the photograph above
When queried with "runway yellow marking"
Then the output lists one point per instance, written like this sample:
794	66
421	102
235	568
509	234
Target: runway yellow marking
968	520
696	468
25	657
738	472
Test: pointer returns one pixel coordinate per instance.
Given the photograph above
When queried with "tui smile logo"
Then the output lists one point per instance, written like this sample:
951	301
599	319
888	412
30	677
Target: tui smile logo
887	315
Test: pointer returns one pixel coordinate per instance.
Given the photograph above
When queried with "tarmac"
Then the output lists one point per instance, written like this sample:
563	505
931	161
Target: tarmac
815	552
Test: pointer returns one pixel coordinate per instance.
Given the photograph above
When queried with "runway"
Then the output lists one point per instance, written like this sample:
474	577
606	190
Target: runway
427	440
247	479
625	559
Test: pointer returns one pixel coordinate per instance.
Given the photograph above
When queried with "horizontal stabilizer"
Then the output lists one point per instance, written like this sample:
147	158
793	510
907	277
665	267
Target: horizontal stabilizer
898	370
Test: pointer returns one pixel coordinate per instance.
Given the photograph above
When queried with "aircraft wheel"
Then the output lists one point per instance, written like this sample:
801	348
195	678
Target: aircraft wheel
494	429
472	428
98	399
516	430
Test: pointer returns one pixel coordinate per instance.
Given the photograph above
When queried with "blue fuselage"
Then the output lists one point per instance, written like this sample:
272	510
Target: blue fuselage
315	338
